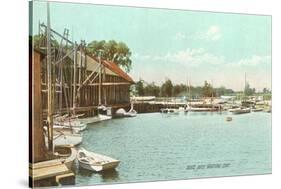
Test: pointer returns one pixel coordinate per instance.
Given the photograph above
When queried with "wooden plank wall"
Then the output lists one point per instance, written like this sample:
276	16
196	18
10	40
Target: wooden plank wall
37	148
114	94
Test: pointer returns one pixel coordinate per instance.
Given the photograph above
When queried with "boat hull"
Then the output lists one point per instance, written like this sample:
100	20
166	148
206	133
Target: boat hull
77	128
96	119
99	168
241	111
95	162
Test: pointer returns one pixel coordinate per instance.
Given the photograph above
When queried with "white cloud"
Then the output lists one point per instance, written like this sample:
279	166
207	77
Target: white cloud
254	60
189	56
212	34
194	57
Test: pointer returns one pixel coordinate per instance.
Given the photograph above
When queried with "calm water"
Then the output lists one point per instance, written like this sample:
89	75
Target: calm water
160	147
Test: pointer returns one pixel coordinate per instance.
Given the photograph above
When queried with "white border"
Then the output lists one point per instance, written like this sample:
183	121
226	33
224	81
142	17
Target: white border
14	91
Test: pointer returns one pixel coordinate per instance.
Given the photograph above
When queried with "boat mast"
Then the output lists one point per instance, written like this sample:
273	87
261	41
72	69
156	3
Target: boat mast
212	95
74	76
50	84
100	70
189	90
245	85
104	88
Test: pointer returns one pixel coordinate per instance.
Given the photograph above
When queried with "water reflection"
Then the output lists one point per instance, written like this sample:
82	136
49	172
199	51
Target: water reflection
85	172
106	176
110	175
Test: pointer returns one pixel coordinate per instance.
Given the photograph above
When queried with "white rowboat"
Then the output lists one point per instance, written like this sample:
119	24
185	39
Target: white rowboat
95	162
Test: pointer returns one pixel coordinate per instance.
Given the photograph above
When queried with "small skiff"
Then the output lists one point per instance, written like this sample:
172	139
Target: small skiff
95	162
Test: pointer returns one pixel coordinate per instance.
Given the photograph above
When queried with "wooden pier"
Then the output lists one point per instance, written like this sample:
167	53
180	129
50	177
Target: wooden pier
50	173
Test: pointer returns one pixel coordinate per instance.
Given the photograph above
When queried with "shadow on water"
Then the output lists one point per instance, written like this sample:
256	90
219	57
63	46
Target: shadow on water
110	175
106	176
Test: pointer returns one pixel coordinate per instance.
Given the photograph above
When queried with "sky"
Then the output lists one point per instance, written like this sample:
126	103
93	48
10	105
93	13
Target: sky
180	45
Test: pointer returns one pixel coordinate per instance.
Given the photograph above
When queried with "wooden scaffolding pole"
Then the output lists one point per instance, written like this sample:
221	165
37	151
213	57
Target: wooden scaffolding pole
50	84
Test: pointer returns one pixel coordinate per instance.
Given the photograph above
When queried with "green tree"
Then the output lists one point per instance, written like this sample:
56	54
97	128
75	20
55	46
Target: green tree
207	90
117	52
139	88
248	90
41	40
180	89
151	90
167	88
265	91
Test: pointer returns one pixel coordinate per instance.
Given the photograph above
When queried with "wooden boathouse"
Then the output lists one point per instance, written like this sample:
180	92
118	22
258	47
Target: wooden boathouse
95	82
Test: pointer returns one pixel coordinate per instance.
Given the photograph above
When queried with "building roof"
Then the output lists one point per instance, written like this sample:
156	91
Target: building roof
114	68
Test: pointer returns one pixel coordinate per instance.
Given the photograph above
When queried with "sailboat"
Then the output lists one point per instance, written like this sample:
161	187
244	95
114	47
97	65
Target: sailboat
65	137
70	123
187	106
242	110
60	130
104	112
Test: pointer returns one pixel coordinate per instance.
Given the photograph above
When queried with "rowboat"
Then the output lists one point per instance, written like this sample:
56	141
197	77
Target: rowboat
95	162
228	118
67	155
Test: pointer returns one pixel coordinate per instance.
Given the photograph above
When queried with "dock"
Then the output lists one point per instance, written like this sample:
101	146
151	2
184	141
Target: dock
50	172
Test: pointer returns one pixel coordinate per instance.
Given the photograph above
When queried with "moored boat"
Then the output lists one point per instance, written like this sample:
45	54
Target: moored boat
67	155
257	109
121	112
202	109
65	137
169	110
95	162
241	110
228	119
96	119
75	125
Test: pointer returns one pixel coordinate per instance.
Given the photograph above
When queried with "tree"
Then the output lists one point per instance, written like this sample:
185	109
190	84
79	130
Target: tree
208	90
167	88
151	90
41	40
248	91
179	89
223	91
139	88
265	90
117	52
